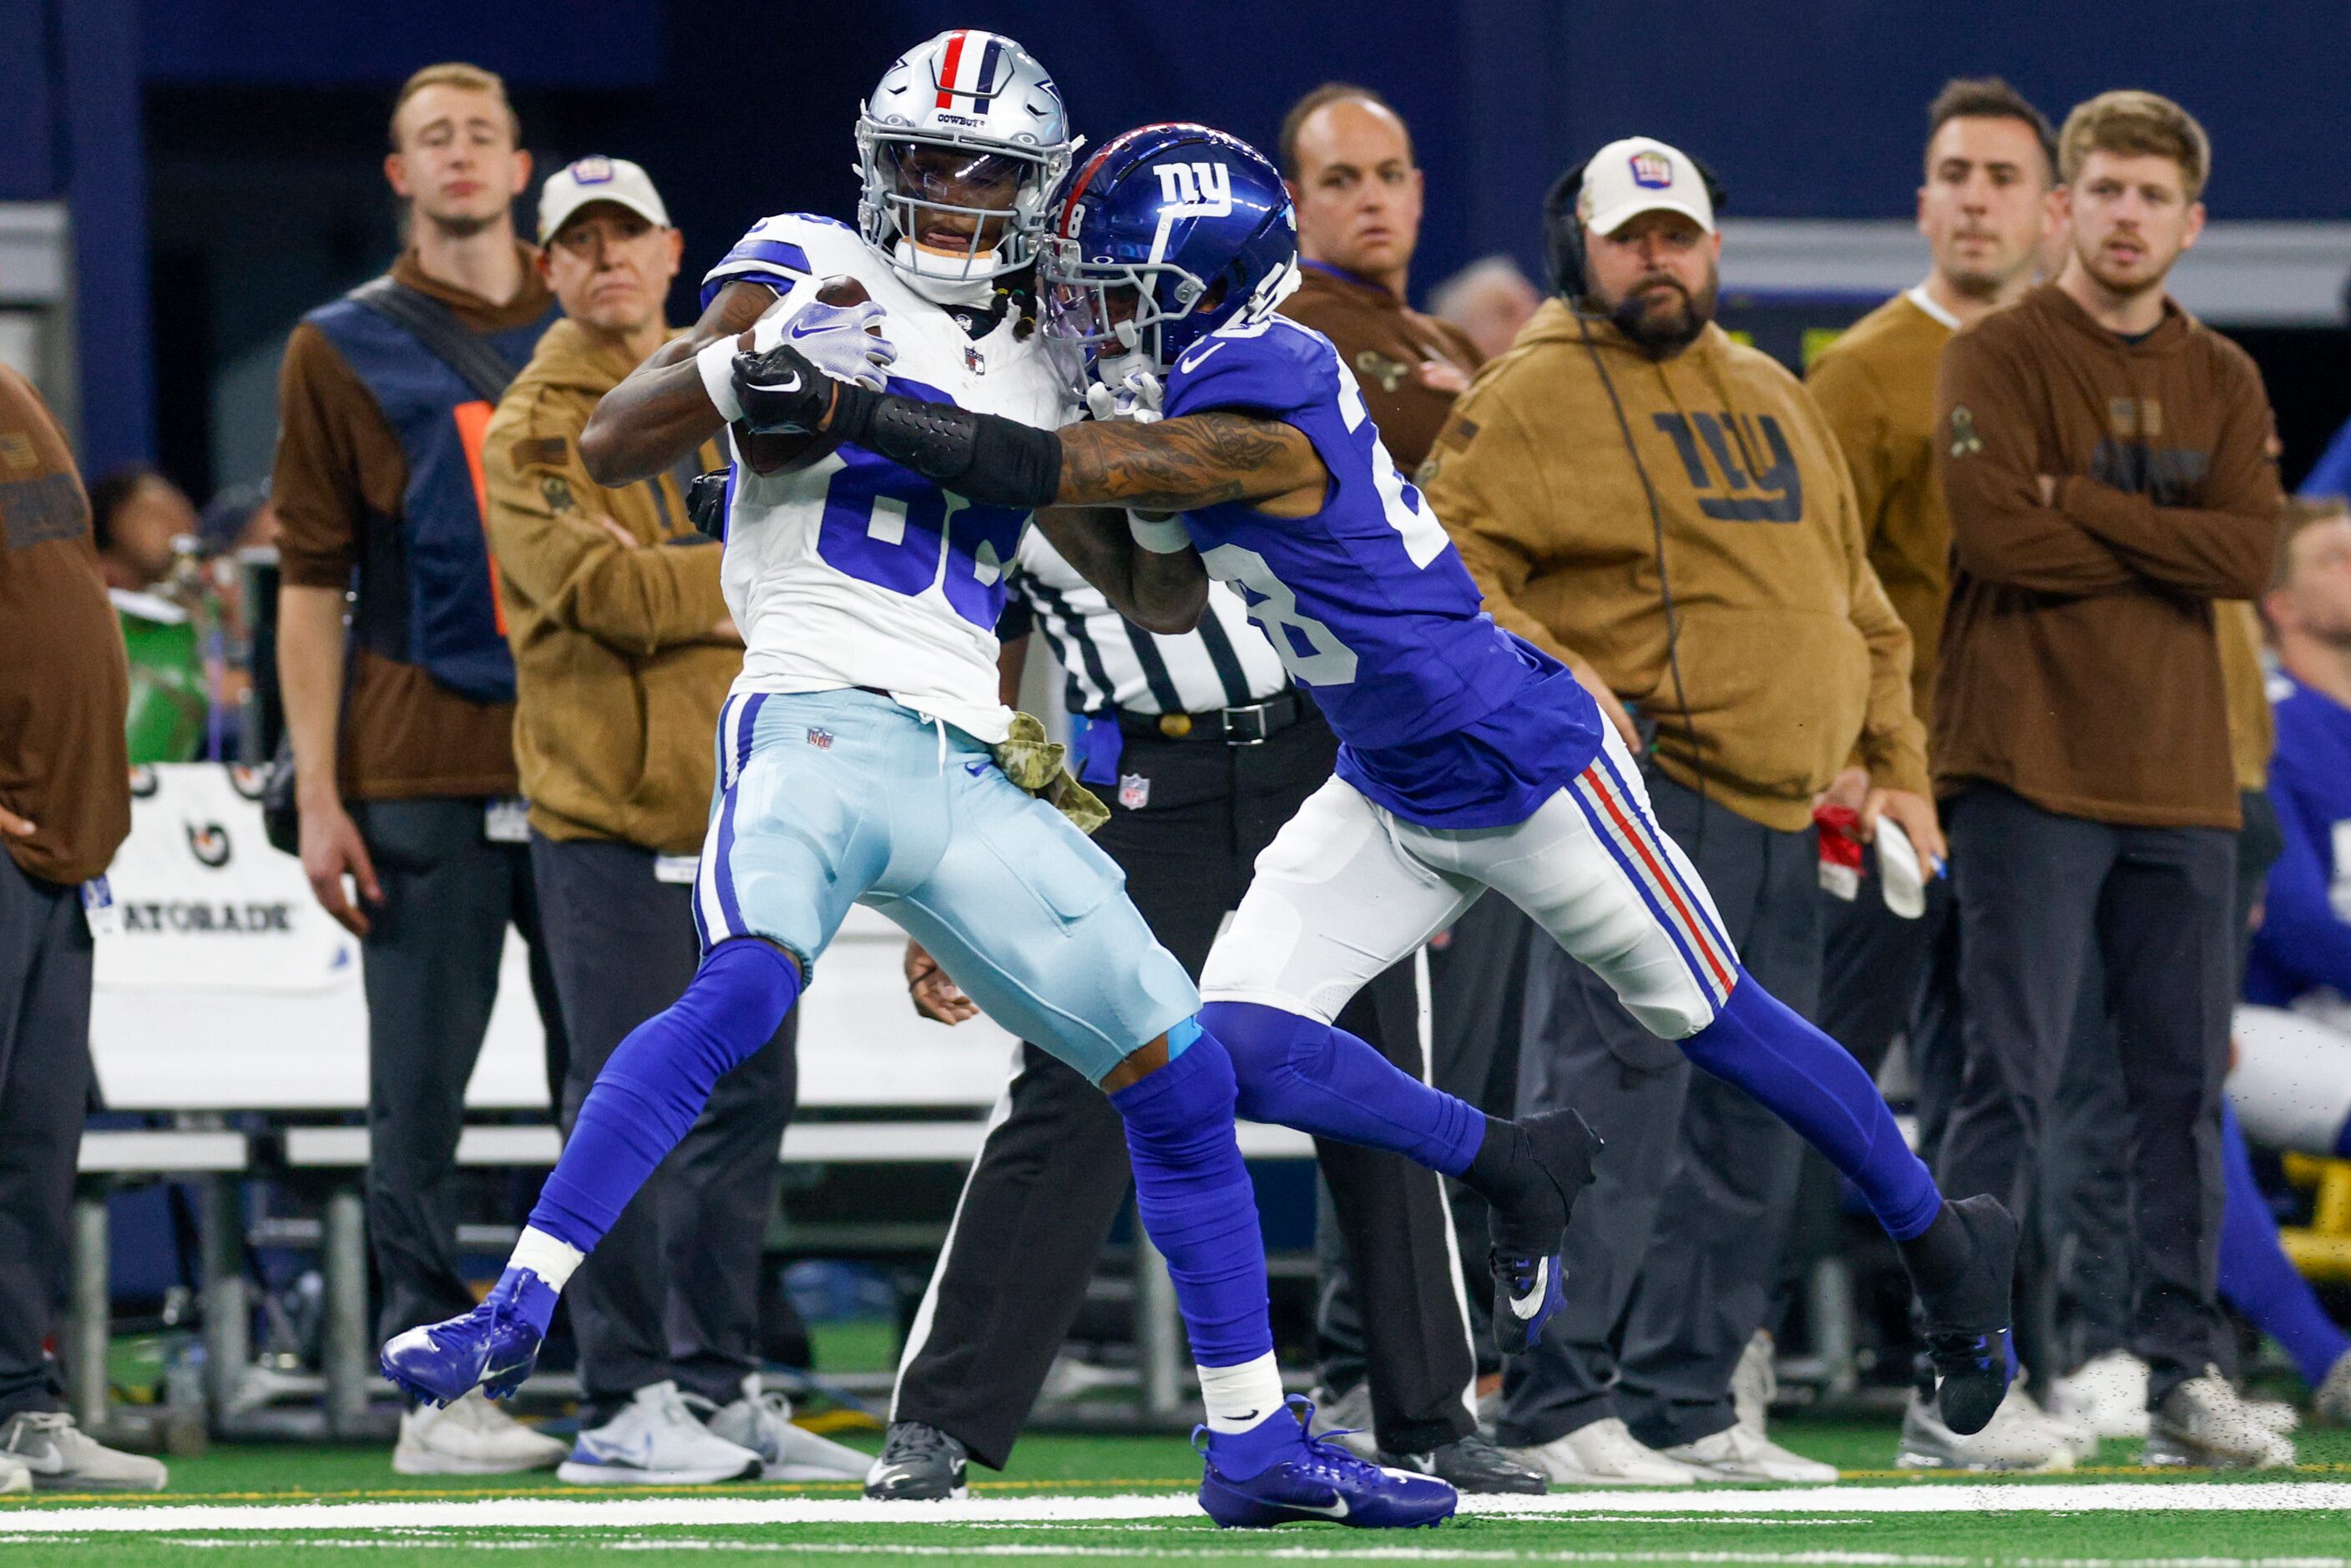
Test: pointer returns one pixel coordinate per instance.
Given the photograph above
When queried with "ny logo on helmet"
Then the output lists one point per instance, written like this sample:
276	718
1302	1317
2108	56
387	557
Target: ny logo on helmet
1190	191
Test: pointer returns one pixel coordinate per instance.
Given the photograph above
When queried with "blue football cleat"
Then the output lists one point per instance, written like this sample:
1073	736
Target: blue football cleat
493	1347
1275	1473
1529	1267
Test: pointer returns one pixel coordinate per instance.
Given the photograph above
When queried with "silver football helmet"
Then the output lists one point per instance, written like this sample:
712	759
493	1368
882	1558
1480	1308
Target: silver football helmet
957	148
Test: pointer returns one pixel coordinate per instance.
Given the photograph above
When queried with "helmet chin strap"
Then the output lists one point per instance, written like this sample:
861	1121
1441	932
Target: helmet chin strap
912	262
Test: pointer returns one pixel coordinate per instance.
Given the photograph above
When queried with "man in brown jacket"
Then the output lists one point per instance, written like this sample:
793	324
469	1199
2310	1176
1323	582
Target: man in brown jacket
65	807
2108	464
1639	494
623	653
403	727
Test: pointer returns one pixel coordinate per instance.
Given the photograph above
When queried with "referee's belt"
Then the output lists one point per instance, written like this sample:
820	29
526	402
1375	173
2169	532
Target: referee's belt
1252	725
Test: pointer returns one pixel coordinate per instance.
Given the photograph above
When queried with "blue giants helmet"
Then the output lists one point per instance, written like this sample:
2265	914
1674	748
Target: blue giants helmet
1165	235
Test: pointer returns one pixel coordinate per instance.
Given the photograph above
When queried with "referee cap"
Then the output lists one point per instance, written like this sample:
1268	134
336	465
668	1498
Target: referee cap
1641	175
589	180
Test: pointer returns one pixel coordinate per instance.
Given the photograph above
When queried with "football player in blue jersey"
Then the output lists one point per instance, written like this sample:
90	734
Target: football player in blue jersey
858	760
1470	760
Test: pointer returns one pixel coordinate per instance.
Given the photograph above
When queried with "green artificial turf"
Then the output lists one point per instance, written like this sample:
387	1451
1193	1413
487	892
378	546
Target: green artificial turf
1051	1466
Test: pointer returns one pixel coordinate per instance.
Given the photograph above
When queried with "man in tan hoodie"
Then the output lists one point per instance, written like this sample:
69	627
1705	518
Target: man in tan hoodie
1668	512
624	651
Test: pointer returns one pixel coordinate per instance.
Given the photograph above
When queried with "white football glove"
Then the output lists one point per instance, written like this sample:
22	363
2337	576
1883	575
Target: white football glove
839	340
1135	399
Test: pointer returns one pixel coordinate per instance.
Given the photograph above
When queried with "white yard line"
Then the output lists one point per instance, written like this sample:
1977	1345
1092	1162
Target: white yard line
542	1512
1223	1548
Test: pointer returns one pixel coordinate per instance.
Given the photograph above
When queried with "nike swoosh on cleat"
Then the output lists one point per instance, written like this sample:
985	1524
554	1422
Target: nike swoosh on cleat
1525	1307
1334	1510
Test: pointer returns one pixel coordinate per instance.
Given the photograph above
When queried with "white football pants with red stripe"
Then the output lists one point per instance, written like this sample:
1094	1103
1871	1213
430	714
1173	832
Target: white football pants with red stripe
1348	888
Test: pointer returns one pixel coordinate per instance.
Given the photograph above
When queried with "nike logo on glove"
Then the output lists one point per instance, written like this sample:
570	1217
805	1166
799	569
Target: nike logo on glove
792	385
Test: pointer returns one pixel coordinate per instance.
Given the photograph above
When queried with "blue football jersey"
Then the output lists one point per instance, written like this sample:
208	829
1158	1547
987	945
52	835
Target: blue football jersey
1443	717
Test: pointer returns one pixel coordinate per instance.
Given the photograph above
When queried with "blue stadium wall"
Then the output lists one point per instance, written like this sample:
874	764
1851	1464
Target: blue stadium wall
1806	110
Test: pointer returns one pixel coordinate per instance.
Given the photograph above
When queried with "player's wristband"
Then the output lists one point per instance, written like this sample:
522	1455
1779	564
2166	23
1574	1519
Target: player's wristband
1160	535
983	457
716	364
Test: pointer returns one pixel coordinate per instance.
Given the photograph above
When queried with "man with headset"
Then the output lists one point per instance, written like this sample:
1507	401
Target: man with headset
1629	486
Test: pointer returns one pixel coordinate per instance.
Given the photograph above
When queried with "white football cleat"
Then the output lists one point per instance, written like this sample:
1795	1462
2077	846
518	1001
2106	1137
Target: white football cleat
470	1438
1741	1453
1755	1381
2107	1394
1606	1453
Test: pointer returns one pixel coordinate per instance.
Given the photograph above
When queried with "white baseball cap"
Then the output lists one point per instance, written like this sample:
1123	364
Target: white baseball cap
1641	175
586	180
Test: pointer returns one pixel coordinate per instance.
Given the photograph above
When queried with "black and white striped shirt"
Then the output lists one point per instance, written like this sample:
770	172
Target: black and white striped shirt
1224	662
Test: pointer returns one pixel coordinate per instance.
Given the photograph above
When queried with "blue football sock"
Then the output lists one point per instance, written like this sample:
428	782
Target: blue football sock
1196	1203
655	1084
1292	1071
2256	1276
1814	1084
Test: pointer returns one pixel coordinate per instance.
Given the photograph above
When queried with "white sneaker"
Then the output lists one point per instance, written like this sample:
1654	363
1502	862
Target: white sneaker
2080	1439
2017	1437
470	1438
1755	1382
656	1441
1349	1417
61	1456
2331	1401
14	1475
1606	1453
761	1421
2275	1414
2107	1394
1741	1453
2204	1424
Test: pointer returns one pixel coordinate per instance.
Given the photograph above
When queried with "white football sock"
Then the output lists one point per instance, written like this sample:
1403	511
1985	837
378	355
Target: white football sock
550	1257
1239	1397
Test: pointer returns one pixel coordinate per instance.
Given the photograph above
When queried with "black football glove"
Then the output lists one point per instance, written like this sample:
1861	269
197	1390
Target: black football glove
781	393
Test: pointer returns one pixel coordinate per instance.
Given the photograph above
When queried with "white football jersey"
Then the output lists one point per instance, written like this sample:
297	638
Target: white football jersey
856	571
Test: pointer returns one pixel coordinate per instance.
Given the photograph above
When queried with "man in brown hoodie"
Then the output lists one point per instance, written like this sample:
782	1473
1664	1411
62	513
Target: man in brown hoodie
1667	512
65	807
2109	468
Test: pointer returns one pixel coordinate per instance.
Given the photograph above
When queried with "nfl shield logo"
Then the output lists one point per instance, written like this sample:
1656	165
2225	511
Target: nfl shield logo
1134	791
1651	171
820	738
974	360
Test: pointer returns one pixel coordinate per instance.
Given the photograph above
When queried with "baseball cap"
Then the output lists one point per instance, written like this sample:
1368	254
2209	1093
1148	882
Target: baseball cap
1641	175
586	180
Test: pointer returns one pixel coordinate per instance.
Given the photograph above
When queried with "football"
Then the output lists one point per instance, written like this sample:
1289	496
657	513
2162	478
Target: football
771	454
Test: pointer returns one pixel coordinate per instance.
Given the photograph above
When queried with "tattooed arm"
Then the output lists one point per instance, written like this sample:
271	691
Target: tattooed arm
1193	461
1159	591
661	412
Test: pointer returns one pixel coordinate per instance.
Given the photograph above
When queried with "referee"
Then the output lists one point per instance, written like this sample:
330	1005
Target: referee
1204	750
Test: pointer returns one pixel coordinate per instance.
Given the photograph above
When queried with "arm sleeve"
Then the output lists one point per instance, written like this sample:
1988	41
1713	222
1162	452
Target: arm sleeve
2221	549
314	483
1893	743
2300	930
1988	461
1856	410
1491	491
635	600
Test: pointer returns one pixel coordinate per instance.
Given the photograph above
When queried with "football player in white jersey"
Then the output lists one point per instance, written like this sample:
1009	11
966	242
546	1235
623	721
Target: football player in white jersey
858	761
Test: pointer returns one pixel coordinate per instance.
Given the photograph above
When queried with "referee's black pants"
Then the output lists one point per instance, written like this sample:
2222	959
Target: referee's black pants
1054	1172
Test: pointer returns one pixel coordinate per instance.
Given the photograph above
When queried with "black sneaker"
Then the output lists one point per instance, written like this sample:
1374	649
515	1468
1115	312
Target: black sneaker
1473	1466
1966	1322
1529	1237
917	1463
